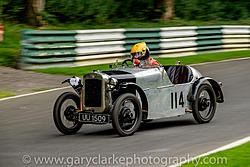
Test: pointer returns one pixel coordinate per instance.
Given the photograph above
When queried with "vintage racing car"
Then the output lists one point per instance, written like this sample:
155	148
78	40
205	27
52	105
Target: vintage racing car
126	95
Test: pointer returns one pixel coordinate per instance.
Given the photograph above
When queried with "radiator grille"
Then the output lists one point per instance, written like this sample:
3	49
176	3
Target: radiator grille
93	93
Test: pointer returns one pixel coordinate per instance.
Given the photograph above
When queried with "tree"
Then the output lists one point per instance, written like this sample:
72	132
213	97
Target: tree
33	8
169	10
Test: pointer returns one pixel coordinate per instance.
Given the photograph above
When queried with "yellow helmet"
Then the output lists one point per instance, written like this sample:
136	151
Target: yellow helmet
140	51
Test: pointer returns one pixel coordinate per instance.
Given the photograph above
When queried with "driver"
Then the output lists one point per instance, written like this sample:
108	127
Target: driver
140	55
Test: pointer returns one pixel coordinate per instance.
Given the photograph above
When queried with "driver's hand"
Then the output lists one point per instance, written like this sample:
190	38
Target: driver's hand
136	62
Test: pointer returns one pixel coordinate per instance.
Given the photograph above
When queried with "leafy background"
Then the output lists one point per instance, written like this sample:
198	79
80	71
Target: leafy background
113	11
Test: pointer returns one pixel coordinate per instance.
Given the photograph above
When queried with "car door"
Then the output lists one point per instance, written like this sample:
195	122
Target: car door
167	100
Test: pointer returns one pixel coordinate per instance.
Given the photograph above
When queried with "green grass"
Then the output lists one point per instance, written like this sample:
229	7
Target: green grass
10	46
73	71
235	157
210	57
145	24
5	94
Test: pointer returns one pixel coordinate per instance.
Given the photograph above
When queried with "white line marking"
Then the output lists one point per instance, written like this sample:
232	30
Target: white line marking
35	93
225	147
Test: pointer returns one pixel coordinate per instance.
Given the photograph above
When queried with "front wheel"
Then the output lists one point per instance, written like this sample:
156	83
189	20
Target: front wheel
127	114
204	106
65	115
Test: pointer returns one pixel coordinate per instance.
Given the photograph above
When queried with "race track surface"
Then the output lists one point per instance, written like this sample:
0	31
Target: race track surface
27	128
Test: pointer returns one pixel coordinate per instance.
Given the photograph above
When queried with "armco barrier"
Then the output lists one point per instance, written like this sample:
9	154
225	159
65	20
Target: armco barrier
1	31
45	49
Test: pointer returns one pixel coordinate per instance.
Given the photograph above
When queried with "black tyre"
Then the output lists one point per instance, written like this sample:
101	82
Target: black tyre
64	113
127	114
205	105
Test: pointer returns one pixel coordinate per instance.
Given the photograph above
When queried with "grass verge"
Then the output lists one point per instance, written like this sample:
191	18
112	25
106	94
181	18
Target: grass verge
5	94
238	156
10	46
209	57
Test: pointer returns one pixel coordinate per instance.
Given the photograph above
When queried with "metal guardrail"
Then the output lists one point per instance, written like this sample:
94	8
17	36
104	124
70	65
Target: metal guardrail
45	49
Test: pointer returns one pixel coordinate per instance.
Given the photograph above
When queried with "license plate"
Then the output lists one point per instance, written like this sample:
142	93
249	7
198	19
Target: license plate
93	118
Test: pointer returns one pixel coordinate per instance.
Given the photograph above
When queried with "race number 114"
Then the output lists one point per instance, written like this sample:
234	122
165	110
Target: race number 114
177	100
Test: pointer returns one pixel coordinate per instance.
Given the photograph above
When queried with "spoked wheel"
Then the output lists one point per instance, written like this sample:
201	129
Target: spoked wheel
65	115
127	114
205	105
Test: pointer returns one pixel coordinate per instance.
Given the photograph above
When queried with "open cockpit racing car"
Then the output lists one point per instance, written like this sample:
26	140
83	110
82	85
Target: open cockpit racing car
126	95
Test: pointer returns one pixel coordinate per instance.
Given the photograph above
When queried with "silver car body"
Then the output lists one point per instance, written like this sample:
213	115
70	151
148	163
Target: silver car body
164	98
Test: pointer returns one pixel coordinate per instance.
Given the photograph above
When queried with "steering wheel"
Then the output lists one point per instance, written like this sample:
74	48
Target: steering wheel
125	62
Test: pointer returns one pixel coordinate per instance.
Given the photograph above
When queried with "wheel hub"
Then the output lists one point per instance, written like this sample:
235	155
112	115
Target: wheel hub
69	113
203	104
126	114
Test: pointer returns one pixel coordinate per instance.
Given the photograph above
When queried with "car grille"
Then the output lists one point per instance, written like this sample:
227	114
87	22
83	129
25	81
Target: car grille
93	92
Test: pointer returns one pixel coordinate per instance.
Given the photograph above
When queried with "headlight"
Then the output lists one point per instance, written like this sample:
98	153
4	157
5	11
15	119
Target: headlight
112	83
74	81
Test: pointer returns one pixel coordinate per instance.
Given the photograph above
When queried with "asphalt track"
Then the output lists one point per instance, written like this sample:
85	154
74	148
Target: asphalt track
27	128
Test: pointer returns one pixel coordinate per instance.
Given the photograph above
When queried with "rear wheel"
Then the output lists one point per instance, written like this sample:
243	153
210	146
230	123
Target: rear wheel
127	114
65	115
204	106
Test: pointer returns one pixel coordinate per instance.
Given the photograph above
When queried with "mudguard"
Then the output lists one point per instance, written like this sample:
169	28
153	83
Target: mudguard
134	86
76	84
206	80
